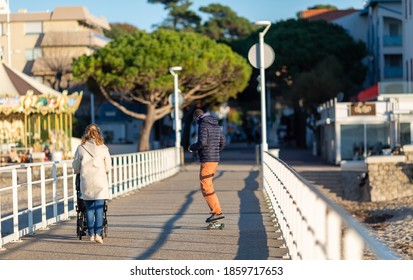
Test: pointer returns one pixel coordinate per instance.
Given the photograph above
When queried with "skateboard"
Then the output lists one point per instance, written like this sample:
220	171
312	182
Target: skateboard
218	224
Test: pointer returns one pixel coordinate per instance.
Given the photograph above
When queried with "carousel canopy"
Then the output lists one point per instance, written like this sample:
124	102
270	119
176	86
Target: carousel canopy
14	83
20	93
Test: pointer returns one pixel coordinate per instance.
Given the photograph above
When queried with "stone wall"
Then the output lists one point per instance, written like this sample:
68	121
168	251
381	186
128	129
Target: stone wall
355	184
391	176
408	152
378	178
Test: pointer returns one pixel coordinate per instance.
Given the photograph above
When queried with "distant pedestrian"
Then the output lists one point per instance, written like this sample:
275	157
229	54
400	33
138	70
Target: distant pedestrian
209	145
47	154
92	161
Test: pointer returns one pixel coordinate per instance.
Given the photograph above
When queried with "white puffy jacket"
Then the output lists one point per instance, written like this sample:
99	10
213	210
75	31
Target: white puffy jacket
93	163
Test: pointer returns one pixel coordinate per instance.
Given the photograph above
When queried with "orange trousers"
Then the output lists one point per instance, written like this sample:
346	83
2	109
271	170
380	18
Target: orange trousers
206	175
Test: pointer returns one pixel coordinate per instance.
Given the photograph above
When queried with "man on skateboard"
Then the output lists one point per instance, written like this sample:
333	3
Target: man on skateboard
209	145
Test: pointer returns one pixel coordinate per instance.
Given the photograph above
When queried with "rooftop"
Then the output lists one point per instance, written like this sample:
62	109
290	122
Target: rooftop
326	14
78	13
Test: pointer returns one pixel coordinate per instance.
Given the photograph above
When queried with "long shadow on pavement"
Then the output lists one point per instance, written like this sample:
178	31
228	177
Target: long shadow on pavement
167	229
253	237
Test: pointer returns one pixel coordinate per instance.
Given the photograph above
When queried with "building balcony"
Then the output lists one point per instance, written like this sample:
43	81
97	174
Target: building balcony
72	39
391	72
392	40
396	87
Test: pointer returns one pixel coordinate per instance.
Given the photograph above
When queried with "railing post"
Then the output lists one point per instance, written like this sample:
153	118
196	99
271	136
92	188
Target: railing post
334	233
352	245
151	169
110	183
134	172
54	186
139	169
43	195
120	175
65	193
74	191
162	163
130	175
115	176
156	163
125	174
145	168
15	206
30	198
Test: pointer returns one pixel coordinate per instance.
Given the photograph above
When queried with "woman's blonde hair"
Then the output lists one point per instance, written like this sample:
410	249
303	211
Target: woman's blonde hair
92	132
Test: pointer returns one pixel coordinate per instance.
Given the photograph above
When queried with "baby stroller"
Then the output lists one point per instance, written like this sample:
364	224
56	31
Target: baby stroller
81	224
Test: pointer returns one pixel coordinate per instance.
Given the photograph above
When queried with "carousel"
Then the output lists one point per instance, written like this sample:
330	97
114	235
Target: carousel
35	120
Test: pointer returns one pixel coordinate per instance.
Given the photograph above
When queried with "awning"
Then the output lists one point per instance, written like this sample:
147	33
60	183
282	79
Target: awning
368	94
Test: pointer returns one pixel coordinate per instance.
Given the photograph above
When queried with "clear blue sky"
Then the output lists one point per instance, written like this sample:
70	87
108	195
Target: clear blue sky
144	15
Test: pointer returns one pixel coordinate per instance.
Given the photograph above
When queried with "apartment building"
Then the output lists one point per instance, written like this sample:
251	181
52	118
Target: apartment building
381	24
384	40
43	44
353	131
350	20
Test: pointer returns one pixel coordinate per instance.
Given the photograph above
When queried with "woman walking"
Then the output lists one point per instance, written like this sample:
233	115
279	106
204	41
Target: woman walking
92	161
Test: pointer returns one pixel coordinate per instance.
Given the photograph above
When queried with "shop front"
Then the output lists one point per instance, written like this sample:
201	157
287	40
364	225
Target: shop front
354	131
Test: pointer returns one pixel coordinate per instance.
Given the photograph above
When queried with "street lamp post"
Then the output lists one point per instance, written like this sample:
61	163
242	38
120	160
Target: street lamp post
176	105
264	145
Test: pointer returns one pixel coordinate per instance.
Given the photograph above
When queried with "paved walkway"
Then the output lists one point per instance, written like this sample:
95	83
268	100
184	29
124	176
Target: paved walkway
327	177
165	221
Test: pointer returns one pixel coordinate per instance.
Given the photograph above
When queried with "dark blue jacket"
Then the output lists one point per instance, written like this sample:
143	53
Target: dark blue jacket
211	141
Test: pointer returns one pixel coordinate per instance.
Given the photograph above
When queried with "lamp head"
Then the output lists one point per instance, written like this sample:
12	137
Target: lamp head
263	22
175	68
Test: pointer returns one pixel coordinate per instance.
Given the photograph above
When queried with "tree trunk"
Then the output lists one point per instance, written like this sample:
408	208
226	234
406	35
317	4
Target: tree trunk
146	129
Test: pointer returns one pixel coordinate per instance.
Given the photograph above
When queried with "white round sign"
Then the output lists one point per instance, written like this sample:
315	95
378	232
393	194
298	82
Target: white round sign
254	56
172	98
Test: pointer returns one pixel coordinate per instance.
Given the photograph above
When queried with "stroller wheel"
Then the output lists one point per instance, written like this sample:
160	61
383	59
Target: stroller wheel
105	230
79	232
81	225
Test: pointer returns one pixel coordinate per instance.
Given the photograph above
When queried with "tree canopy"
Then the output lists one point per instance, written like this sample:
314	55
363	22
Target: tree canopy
180	17
300	45
119	29
321	83
134	68
322	6
225	24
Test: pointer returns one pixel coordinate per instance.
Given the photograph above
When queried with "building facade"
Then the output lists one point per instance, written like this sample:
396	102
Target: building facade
385	40
353	131
350	20
43	44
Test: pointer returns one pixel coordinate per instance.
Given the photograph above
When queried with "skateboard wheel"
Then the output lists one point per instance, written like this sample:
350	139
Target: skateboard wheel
215	226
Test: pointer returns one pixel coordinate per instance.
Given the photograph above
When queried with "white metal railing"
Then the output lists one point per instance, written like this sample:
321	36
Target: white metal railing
35	195
312	225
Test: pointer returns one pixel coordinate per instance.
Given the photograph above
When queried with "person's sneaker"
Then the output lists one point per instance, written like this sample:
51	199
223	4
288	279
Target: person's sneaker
215	217
92	238
99	239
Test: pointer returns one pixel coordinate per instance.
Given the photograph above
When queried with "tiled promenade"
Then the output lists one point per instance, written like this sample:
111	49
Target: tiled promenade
166	221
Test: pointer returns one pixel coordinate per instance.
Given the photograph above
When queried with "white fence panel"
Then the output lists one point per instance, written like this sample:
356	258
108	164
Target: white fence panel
313	226
35	195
